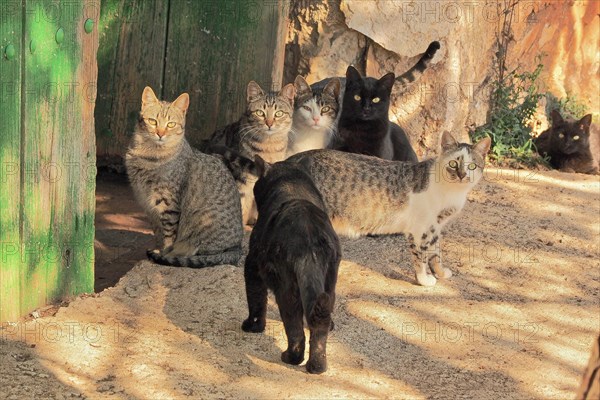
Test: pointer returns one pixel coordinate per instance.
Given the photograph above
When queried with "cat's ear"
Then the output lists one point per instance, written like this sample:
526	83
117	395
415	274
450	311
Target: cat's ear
556	117
262	167
387	82
288	92
148	97
352	74
448	142
333	88
302	87
182	102
253	91
483	146
585	122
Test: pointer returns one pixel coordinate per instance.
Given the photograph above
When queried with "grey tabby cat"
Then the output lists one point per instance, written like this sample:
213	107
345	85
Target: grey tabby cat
315	115
189	197
368	195
262	130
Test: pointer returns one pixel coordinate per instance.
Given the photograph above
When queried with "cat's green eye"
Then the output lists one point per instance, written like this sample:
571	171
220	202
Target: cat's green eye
260	113
453	164
356	97
472	166
325	109
171	125
560	135
152	121
576	137
279	114
376	100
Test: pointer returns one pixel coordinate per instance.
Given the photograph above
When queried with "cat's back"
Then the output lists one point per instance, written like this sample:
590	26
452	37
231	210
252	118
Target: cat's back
402	149
227	135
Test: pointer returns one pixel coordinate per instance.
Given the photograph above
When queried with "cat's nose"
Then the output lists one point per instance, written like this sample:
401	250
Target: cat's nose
269	122
316	119
461	174
161	133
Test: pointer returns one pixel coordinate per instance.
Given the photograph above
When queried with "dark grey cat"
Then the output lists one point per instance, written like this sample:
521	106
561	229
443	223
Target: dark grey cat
570	144
190	198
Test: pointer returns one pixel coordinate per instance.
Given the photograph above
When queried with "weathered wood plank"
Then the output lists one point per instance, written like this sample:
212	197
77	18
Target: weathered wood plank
131	54
10	146
214	48
58	152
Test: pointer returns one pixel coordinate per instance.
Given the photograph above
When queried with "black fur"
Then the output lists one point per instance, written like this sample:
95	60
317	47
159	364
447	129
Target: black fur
364	125
229	256
295	252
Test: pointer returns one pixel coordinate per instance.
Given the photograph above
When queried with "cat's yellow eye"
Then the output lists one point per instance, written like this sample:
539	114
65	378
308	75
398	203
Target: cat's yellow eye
453	164
356	97
376	100
472	166
307	108
576	137
152	121
560	135
260	113
279	114
325	109
171	125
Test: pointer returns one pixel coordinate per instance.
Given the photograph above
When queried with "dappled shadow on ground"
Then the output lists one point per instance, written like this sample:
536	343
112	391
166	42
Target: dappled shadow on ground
524	299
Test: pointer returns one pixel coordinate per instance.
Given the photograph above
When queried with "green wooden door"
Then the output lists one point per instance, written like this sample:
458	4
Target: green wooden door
48	146
208	48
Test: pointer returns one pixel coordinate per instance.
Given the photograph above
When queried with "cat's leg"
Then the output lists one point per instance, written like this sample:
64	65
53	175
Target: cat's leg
420	263
319	323
290	309
434	259
256	295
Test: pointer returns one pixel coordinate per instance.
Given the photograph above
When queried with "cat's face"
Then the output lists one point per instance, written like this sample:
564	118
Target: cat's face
162	122
462	163
367	98
270	113
570	136
316	110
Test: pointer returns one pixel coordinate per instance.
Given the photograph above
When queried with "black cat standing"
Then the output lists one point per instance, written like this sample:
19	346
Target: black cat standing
295	252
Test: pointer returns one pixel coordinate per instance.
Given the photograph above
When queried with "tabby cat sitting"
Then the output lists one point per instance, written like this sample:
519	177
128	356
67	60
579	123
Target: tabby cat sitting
262	130
367	195
570	144
190	197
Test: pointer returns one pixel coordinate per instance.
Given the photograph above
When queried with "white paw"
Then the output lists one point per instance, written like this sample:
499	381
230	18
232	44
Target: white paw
426	280
446	273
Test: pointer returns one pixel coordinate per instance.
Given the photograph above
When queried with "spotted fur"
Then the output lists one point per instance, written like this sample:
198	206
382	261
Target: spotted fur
370	196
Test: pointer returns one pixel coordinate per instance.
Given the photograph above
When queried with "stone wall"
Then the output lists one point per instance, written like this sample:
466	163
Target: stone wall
379	36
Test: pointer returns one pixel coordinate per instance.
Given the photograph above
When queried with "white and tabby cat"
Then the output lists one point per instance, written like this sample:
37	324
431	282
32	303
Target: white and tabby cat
315	114
368	195
189	197
262	130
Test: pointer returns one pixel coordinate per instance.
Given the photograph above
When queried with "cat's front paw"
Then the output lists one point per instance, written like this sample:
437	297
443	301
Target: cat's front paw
316	365
293	358
254	325
446	273
426	280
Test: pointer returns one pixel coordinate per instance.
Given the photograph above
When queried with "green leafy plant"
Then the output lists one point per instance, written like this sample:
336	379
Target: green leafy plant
569	107
514	100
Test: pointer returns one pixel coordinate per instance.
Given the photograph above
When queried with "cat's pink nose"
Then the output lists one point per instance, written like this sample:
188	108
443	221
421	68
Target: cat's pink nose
269	122
316	119
160	133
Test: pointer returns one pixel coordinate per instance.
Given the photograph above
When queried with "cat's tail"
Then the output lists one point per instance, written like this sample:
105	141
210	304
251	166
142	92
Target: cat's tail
230	256
417	70
236	163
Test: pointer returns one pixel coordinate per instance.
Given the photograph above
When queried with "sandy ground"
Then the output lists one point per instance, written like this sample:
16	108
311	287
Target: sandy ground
516	321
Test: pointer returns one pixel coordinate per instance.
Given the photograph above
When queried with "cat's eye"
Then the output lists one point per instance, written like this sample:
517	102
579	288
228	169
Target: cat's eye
560	135
453	164
307	108
472	166
356	97
279	114
576	137
152	121
259	113
171	125
376	100
325	109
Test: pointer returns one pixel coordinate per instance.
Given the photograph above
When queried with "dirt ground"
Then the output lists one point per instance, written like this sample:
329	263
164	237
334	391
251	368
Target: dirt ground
517	319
